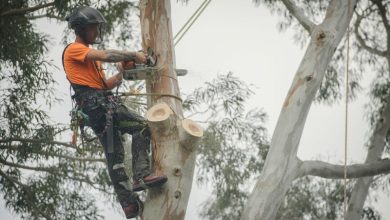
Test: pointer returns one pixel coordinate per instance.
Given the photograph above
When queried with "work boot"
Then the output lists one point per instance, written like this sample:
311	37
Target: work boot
133	209
151	180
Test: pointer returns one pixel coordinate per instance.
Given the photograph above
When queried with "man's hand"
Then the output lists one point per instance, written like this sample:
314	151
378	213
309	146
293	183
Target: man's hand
125	65
115	80
120	67
140	57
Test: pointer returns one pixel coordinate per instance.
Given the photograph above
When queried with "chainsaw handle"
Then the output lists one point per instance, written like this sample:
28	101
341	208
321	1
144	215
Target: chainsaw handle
128	65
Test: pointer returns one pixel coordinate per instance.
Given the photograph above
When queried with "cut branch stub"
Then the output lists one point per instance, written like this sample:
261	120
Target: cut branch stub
160	118
190	134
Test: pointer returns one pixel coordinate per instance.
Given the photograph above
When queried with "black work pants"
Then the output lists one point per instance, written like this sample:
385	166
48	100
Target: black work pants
123	121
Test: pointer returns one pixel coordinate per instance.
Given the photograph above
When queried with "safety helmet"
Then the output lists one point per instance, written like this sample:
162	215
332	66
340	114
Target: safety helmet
83	16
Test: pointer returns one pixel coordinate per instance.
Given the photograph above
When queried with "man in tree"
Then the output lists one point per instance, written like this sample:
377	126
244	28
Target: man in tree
107	116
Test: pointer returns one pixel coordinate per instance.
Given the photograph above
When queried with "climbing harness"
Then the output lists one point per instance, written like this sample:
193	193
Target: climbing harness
111	104
78	120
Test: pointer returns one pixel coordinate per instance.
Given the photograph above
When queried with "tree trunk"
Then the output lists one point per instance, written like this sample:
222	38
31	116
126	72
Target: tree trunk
375	150
281	166
174	139
377	142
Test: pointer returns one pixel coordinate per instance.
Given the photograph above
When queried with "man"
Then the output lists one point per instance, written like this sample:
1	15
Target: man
107	116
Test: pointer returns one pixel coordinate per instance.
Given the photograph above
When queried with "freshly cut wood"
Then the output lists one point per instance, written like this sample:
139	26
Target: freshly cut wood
190	134
160	117
159	112
171	200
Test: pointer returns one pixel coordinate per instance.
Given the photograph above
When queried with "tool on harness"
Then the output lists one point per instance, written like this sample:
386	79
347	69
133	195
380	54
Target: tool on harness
90	101
110	105
78	120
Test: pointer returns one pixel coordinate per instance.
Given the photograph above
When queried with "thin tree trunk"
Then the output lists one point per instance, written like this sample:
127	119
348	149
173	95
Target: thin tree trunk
174	138
280	167
375	150
377	142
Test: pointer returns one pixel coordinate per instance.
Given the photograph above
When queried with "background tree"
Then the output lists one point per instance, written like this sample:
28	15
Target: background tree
324	39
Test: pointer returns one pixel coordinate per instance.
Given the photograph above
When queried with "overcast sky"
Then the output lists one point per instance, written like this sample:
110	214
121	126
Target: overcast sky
235	36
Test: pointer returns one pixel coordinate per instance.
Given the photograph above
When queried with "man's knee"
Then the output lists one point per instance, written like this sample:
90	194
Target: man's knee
118	173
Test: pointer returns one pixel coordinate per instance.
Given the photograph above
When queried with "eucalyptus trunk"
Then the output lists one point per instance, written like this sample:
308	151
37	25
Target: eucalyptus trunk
174	138
282	165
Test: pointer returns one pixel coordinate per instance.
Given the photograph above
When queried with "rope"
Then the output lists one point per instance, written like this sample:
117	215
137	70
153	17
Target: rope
150	94
346	120
197	13
193	15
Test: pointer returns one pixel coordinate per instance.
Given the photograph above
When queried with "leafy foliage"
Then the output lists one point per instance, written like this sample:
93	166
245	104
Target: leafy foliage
234	145
40	176
315	198
370	214
333	85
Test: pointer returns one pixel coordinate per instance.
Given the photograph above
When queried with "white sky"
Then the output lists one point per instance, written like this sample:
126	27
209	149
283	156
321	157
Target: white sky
236	36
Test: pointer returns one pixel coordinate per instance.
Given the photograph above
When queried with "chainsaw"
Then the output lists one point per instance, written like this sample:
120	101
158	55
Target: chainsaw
135	71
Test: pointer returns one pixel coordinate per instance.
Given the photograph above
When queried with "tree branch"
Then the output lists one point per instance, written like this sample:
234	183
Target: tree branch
361	40
299	14
88	182
29	193
80	159
52	170
22	11
45	16
376	146
43	169
23	140
13	180
383	14
332	171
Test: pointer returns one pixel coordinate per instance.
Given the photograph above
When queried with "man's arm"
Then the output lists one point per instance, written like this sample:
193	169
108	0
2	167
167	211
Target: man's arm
113	56
114	81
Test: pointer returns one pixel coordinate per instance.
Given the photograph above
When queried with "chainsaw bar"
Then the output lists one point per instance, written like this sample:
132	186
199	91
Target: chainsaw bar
145	71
